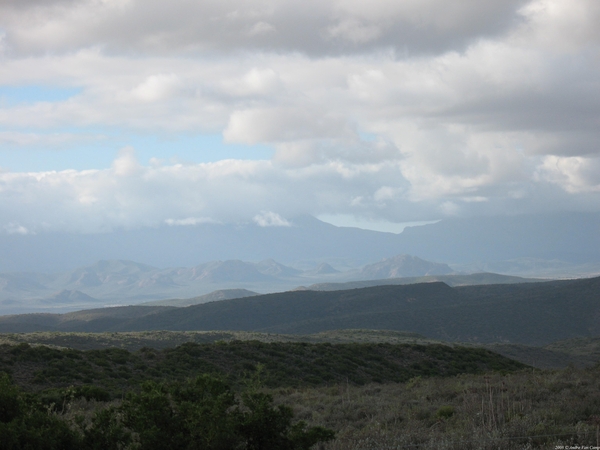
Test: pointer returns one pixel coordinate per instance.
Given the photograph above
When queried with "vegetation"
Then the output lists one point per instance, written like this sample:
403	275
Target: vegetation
283	364
526	409
136	340
523	410
373	388
203	413
579	352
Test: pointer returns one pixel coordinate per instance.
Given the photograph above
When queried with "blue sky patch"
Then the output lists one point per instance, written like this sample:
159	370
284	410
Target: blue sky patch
96	148
12	95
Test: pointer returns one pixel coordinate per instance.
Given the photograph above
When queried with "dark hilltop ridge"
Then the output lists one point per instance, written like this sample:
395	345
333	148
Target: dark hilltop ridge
524	313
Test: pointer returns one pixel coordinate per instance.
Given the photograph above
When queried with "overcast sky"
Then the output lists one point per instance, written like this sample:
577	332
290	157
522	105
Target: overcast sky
129	113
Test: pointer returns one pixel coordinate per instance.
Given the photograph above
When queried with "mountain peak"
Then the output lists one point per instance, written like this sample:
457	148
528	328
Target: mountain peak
403	266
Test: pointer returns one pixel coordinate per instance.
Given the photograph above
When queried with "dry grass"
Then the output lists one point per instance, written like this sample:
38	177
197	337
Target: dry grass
524	410
530	409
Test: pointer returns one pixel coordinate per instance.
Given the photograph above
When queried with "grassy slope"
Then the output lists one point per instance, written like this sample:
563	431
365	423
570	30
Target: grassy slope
133	341
503	411
524	410
577	352
285	364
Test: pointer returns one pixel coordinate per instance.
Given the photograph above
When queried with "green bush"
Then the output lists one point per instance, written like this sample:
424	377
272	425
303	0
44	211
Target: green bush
204	413
445	412
25	424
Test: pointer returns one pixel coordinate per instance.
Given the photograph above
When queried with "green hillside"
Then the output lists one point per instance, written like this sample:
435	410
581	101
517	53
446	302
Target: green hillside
575	352
282	364
135	340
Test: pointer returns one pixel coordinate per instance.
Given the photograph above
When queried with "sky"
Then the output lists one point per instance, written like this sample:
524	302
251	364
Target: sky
120	114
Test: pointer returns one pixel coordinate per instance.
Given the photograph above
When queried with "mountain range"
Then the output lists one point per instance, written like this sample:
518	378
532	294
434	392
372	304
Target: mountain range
551	245
523	313
125	282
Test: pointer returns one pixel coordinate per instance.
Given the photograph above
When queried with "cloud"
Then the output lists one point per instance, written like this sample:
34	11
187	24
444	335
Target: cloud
130	195
126	164
307	26
390	110
48	140
15	228
270	219
574	174
225	191
354	31
256	82
261	28
282	124
157	87
189	221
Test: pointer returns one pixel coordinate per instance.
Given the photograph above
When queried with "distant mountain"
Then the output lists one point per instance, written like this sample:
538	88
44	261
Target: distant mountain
524	313
24	282
223	294
571	238
324	269
547	268
109	271
403	266
226	271
273	268
451	280
122	282
67	296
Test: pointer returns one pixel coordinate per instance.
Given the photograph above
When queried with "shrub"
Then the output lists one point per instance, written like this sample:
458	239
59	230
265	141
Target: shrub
204	413
445	412
26	425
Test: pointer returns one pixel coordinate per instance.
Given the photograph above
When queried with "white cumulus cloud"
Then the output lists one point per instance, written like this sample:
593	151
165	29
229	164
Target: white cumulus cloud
391	110
270	219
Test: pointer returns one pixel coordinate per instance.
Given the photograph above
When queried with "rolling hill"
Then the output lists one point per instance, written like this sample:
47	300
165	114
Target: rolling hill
291	364
526	313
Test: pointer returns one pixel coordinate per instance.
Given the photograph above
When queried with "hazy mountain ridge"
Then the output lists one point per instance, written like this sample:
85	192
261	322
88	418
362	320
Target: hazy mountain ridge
128	282
67	296
527	313
451	280
223	294
547	245
566	238
403	266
